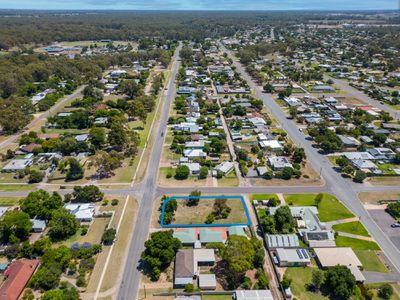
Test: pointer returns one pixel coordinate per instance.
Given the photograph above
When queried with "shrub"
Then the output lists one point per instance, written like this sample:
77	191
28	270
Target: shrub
359	176
114	202
182	172
108	236
210	219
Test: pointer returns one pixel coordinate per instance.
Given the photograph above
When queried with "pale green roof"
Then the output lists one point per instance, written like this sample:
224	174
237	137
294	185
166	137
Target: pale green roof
210	236
187	236
238	230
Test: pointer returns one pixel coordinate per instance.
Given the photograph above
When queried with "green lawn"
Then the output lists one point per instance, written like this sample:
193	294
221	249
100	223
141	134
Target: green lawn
16	187
9	201
263	197
300	278
351	227
371	261
375	286
330	209
388	168
356	244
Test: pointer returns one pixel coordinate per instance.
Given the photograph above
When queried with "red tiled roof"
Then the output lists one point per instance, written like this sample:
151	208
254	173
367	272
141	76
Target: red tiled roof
17	276
45	136
29	148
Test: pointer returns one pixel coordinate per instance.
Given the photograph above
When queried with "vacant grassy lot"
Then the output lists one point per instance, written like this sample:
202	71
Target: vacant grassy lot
371	261
198	214
356	244
301	277
352	227
374	198
330	209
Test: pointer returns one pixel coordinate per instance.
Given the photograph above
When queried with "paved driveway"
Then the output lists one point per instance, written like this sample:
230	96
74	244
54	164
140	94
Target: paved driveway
384	220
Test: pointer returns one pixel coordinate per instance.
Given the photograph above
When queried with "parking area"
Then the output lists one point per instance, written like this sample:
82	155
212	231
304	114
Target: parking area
384	220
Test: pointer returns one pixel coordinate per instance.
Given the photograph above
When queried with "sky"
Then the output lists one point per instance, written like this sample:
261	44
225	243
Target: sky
201	4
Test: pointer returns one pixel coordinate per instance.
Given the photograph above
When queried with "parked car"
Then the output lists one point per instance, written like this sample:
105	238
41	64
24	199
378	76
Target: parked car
395	225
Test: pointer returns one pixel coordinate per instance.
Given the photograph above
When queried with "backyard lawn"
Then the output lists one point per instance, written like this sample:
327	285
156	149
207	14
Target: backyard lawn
356	244
330	209
352	227
300	278
371	261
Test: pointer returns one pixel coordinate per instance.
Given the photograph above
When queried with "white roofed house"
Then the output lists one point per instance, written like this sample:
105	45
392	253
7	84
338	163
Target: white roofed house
382	153
194	153
194	168
277	163
83	212
273	144
224	167
17	165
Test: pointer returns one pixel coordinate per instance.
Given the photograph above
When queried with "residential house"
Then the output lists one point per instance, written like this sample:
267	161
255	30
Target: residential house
277	163
382	153
187	262
292	257
17	276
275	241
83	212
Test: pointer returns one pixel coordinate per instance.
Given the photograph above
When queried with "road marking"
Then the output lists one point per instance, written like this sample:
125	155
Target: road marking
103	273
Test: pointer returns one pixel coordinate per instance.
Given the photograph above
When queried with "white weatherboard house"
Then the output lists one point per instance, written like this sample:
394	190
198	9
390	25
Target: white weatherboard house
83	212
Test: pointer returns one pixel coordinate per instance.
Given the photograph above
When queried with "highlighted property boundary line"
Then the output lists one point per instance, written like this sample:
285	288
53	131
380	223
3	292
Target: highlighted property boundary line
246	211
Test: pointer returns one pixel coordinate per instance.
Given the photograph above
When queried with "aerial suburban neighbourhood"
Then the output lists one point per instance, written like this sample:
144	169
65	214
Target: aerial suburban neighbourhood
199	151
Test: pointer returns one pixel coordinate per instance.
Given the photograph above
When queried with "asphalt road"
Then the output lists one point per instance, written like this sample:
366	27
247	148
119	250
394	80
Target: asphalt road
131	278
343	189
343	85
41	117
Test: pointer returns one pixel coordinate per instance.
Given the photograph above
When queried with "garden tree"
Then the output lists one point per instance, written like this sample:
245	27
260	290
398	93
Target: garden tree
68	145
203	172
53	262
117	136
35	176
269	88
62	225
379	139
90	92
108	236
342	162
46	278
15	226
340	282
61	294
318	199
385	291
97	137
262	282
393	209
359	176
87	194
106	163
268	224
396	158
239	254
259	252
189	288
284	221
182	172
221	209
169	211
137	110
293	112
287	173
75	170
41	204
286	282
317	279
159	252
131	88
194	198
299	155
